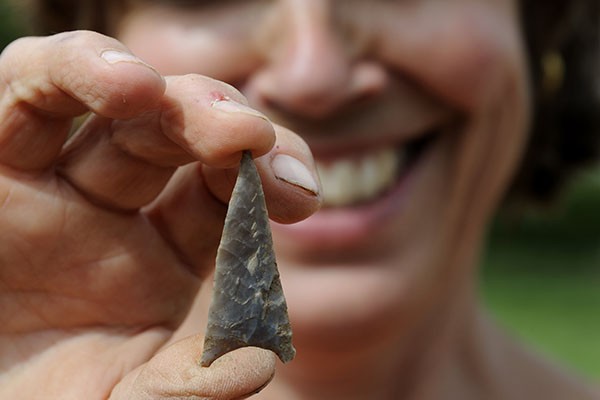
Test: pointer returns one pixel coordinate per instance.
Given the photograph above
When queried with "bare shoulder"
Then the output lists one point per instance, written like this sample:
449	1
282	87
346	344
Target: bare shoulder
526	374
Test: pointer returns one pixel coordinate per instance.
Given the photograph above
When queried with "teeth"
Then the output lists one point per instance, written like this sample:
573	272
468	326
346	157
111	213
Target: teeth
356	180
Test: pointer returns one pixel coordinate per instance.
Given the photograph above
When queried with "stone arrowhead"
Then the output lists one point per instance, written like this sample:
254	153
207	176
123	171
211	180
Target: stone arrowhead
248	307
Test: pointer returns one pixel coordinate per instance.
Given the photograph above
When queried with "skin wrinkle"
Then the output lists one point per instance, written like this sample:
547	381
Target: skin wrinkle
78	83
67	342
172	118
5	198
23	112
26	110
25	253
153	150
30	350
31	300
28	303
32	95
94	200
121	190
47	292
34	92
156	219
184	260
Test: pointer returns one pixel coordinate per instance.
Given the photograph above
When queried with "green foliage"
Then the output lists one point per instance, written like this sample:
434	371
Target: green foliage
541	278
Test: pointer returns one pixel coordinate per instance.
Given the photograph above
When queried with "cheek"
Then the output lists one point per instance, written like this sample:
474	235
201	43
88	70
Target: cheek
482	57
156	48
464	55
175	50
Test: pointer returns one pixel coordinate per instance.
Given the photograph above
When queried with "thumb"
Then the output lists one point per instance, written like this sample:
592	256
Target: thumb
175	373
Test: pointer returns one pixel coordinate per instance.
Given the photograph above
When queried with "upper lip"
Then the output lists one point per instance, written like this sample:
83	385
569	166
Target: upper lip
392	119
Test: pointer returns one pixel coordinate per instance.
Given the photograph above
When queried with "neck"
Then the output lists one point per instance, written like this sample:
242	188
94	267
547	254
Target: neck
414	360
458	357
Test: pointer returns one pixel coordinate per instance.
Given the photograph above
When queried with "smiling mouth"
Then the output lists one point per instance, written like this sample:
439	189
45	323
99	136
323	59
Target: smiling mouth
359	179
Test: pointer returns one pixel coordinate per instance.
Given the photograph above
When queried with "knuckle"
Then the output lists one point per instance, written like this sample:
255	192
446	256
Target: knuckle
76	39
16	47
15	54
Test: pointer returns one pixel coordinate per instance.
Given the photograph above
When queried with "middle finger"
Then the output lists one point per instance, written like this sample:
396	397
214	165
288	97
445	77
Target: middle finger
125	164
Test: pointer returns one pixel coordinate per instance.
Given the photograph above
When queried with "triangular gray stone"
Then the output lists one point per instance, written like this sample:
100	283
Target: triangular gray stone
248	307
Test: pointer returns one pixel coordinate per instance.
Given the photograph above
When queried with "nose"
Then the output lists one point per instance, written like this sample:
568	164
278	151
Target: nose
310	69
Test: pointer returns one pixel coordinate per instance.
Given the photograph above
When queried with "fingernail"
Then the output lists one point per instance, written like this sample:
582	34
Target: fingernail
292	171
116	56
228	105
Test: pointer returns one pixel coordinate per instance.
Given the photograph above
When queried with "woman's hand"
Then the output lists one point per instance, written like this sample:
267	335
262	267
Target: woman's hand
105	240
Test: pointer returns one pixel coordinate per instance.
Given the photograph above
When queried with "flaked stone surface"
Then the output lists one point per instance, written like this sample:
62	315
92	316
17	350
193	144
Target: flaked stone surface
248	306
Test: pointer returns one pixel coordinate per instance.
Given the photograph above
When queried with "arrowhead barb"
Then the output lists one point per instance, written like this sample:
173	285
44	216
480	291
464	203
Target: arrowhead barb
248	306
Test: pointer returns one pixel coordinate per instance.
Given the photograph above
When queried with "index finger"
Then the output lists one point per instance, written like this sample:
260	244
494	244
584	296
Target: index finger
46	81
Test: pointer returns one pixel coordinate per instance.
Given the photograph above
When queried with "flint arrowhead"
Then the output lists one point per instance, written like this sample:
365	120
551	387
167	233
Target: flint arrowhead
248	307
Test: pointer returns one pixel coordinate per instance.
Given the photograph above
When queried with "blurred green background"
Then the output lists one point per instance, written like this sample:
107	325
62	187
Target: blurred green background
10	25
541	271
541	276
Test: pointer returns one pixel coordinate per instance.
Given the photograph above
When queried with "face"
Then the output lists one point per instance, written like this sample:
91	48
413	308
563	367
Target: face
416	111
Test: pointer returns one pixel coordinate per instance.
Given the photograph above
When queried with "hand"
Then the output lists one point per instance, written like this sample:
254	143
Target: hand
106	239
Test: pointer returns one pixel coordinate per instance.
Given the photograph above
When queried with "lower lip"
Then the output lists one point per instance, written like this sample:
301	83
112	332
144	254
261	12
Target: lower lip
351	228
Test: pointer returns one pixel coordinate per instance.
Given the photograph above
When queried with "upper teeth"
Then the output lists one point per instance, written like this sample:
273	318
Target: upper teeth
350	181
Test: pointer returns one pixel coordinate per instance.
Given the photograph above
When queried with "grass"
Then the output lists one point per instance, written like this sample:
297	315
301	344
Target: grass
541	278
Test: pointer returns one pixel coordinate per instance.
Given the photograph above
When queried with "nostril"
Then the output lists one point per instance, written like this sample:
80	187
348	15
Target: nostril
365	97
307	106
275	90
